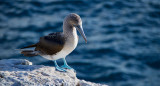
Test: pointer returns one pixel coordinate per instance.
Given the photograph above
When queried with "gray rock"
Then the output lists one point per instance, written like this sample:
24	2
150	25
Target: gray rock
21	72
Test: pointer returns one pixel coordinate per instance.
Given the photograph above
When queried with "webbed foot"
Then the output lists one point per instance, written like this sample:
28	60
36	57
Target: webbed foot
60	69
66	66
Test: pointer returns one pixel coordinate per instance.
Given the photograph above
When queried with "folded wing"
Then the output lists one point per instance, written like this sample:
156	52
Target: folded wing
51	44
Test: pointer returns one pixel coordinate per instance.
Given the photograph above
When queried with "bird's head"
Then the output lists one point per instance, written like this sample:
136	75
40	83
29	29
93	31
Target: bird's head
75	21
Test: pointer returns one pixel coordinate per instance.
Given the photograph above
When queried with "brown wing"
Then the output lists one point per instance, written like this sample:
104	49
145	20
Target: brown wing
51	44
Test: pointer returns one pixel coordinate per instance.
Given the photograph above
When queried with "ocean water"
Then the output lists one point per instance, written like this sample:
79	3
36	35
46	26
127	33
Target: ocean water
123	46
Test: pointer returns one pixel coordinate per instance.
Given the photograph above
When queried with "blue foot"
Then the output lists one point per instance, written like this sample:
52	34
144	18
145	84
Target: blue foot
65	64
66	67
60	69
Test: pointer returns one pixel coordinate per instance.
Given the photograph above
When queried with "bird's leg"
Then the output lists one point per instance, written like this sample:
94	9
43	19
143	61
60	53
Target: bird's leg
65	64
59	68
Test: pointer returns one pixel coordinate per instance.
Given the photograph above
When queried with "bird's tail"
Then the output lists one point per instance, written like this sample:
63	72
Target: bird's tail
29	53
33	45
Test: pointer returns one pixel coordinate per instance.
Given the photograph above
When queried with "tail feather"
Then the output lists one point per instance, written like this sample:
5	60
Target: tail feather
29	53
33	45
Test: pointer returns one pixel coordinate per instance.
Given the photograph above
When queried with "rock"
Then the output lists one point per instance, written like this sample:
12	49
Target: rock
21	72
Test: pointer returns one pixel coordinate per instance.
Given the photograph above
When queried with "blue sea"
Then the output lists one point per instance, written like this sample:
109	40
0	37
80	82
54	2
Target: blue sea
123	46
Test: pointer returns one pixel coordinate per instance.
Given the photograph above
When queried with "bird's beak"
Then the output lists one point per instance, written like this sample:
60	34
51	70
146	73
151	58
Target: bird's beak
80	29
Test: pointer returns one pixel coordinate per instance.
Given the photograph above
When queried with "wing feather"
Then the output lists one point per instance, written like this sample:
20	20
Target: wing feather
51	44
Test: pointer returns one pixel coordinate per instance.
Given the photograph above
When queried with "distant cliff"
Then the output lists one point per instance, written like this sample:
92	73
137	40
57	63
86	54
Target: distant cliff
21	72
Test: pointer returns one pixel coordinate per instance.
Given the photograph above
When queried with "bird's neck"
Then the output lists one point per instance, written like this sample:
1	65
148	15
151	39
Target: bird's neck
69	30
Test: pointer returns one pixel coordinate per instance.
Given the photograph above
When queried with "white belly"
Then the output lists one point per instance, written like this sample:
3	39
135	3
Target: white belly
69	46
61	54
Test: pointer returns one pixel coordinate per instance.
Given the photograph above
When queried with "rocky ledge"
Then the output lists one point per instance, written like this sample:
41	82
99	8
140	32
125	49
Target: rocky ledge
21	72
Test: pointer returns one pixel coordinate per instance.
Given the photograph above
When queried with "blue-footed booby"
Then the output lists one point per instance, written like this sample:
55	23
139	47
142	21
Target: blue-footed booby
58	45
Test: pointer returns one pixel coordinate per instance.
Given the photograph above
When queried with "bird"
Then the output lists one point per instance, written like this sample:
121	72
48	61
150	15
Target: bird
58	45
